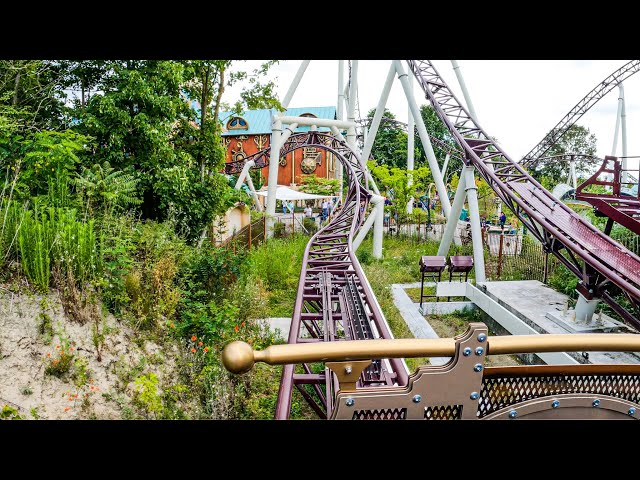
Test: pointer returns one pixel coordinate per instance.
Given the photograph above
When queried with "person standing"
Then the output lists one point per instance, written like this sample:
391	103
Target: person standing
502	220
325	210
308	211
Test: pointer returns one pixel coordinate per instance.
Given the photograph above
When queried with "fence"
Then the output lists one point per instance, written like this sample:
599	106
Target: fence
248	236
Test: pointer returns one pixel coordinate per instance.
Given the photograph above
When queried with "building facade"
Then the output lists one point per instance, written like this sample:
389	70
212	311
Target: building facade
250	132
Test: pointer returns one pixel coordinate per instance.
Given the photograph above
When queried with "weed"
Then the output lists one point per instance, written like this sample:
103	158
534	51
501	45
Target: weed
147	396
26	391
10	413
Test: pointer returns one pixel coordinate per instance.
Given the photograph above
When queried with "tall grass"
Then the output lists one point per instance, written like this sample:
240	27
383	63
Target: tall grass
53	236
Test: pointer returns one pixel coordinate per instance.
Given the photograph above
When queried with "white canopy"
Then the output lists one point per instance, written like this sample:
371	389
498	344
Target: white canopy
285	193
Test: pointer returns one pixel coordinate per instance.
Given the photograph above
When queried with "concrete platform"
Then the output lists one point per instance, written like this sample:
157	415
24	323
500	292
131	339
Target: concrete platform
530	300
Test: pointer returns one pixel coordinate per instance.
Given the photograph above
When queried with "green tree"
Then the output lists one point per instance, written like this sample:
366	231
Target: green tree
577	140
437	129
318	185
394	183
390	145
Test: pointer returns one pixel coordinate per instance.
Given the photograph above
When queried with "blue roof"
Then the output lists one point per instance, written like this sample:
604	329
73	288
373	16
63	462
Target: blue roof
259	121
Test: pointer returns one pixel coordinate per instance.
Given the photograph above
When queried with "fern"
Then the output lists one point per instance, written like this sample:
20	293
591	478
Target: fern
107	188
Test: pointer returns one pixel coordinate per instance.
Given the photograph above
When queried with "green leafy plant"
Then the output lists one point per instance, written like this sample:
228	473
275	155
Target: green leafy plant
147	396
10	413
106	188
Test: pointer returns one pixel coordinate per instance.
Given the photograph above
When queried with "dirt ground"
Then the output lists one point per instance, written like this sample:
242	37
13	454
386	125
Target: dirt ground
91	389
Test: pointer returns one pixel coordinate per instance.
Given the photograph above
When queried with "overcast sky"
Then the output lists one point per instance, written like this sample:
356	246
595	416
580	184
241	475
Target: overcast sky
516	101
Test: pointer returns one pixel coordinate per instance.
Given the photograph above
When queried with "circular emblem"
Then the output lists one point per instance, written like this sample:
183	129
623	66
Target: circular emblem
308	165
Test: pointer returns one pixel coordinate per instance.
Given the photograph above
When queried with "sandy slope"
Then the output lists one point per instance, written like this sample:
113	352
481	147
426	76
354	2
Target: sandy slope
23	357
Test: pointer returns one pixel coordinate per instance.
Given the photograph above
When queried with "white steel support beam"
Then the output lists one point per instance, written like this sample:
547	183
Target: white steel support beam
340	116
276	144
378	204
410	149
452	222
377	117
623	124
424	138
476	229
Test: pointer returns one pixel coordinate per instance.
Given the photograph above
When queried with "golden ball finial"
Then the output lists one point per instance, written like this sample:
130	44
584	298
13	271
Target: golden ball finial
237	357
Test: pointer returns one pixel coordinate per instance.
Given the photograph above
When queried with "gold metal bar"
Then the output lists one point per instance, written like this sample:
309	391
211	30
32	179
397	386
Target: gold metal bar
239	357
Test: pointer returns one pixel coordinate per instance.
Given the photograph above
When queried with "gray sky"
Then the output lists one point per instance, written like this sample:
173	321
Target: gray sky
517	101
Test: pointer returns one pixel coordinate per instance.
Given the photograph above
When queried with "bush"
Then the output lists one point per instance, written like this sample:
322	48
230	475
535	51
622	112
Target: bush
310	225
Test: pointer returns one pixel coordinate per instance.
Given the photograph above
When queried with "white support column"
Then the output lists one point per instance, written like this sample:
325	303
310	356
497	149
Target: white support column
351	111
340	116
572	173
245	174
410	149
424	138
276	143
378	226
294	83
378	204
274	165
476	230
623	123
377	117
452	222
445	165
618	114
465	92
256	201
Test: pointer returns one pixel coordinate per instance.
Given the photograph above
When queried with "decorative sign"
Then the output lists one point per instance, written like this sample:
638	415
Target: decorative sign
261	141
311	158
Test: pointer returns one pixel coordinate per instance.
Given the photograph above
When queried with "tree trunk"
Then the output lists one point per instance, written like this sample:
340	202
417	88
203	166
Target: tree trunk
15	89
216	110
204	105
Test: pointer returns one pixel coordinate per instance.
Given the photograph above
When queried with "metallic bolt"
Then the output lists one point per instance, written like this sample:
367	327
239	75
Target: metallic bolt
474	395
482	337
632	411
466	352
513	414
477	367
417	399
596	403
555	403
348	369
479	351
350	402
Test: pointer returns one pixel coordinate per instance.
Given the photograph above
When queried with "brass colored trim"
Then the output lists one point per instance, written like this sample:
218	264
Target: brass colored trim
239	357
348	373
582	369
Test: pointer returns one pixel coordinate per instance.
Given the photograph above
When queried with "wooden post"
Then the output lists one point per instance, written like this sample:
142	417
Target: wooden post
249	234
500	255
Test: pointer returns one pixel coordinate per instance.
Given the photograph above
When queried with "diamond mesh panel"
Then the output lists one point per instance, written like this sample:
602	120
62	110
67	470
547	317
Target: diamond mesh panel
499	392
382	414
443	412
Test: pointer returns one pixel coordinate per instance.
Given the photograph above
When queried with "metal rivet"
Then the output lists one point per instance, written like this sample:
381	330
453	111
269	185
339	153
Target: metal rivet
417	399
477	367
348	369
596	403
479	351
350	402
482	337
466	352
632	411
513	414
555	403
474	395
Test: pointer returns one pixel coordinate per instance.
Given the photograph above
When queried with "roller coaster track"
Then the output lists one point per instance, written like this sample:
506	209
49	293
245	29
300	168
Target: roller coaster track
334	300
599	262
531	159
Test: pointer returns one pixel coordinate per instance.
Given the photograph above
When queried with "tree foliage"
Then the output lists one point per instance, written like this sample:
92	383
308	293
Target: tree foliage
578	140
318	185
390	145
